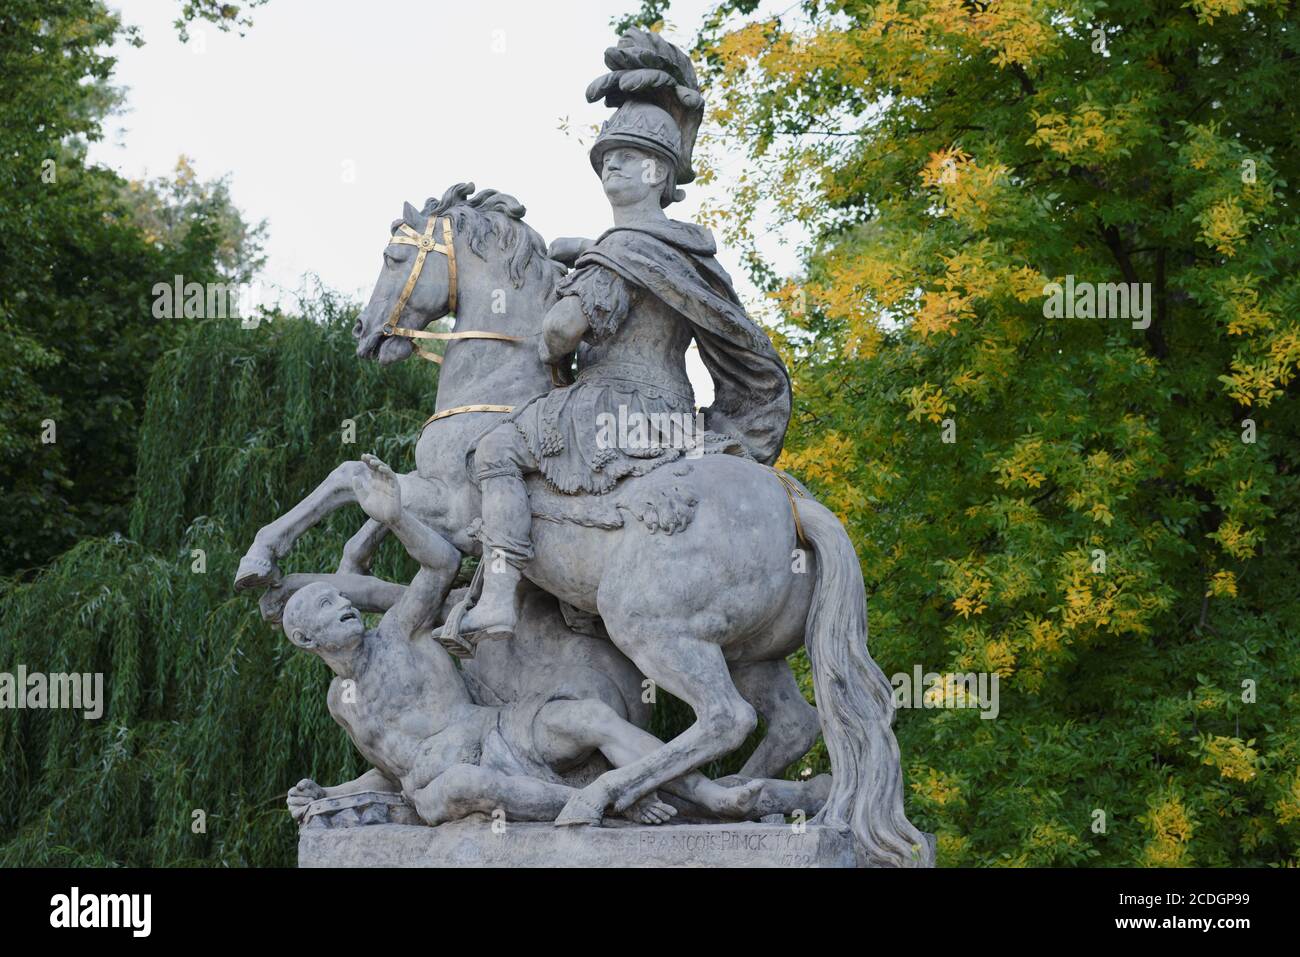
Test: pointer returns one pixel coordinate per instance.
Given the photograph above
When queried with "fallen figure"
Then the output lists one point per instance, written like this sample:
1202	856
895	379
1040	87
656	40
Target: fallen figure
404	704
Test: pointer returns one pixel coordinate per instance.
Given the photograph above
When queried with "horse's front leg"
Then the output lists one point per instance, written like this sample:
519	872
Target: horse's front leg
258	566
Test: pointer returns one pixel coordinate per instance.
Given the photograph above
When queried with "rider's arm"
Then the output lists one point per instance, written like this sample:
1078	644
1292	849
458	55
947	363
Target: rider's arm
562	329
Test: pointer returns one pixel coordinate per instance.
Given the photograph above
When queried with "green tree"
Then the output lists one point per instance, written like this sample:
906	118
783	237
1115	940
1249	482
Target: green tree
208	708
1102	511
80	250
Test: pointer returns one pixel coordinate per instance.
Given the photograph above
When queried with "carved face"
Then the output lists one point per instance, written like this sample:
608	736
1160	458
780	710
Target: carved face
629	175
319	619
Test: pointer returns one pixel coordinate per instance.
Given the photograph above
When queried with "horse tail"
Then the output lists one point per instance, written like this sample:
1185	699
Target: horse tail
855	704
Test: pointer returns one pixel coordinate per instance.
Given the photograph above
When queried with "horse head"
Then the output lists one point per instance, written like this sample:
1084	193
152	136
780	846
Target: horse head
499	290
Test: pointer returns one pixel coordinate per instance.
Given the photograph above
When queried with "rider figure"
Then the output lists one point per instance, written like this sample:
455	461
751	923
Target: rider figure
635	299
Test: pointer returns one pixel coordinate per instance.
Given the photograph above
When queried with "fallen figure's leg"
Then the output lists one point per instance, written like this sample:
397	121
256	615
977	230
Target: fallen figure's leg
465	789
568	729
786	797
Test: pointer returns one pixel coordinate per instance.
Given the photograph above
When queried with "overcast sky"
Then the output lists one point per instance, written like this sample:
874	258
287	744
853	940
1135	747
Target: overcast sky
329	114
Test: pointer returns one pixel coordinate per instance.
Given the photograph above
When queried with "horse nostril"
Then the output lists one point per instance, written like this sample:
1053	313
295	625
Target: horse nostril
356	330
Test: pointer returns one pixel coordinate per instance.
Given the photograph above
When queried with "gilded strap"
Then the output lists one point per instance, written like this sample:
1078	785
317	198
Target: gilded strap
424	243
465	408
791	490
406	236
469	334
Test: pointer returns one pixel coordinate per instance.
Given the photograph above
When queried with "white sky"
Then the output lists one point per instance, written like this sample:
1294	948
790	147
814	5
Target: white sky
402	98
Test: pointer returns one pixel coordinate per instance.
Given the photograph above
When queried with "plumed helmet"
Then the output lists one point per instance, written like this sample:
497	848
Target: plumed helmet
659	107
643	125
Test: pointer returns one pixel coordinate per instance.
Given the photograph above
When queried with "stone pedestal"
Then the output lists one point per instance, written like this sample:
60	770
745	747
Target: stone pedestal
472	843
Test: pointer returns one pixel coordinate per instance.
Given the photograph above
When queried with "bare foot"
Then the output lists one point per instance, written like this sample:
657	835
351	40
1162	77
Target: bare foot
587	806
301	795
739	801
650	810
785	797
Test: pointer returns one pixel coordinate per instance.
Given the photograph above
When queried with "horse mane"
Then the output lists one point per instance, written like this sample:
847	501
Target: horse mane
489	213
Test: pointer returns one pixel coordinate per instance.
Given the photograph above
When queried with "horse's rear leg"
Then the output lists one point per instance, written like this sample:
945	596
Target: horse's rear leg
792	725
361	547
695	671
272	541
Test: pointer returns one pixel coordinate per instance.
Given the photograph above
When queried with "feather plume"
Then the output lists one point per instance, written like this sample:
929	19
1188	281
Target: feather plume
645	66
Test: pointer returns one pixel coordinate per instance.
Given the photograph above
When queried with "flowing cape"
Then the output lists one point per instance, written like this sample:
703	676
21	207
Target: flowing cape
675	262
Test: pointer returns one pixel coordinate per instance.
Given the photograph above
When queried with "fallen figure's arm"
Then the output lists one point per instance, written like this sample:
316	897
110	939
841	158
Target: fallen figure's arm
379	495
306	792
367	592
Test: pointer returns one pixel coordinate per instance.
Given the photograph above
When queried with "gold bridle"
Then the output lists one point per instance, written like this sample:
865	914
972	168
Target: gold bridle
425	243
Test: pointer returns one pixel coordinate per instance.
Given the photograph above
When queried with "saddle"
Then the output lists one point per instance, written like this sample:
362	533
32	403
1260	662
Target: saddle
666	508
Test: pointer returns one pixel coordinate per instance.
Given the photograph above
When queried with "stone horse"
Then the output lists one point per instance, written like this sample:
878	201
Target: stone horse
707	573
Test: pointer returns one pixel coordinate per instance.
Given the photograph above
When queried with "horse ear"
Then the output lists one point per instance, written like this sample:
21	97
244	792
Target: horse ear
410	215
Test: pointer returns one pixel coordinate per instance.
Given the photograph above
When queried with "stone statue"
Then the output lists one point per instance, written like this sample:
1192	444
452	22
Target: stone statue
405	706
674	544
632	305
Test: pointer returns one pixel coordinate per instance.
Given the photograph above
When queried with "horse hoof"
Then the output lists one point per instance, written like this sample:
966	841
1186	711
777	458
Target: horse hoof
272	603
579	811
256	571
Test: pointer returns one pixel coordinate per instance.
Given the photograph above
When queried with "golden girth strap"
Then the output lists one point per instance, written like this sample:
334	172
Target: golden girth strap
457	410
791	490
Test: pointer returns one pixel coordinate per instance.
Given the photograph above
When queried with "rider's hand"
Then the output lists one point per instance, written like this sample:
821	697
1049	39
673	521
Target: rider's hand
567	249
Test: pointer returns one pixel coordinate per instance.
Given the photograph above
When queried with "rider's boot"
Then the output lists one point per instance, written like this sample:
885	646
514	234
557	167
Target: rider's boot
507	521
494	616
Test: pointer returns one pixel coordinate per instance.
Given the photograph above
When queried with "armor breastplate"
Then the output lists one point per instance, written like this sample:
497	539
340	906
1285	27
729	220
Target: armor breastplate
644	377
647	350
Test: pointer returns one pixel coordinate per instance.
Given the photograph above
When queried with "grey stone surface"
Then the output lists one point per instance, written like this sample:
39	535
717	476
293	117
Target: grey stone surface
472	843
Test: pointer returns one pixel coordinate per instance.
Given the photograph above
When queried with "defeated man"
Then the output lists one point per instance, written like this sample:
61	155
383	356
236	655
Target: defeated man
403	702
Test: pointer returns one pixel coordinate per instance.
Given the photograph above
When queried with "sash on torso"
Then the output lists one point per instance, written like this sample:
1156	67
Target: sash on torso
675	262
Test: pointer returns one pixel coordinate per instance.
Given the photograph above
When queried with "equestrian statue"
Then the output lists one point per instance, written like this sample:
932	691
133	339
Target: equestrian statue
653	544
